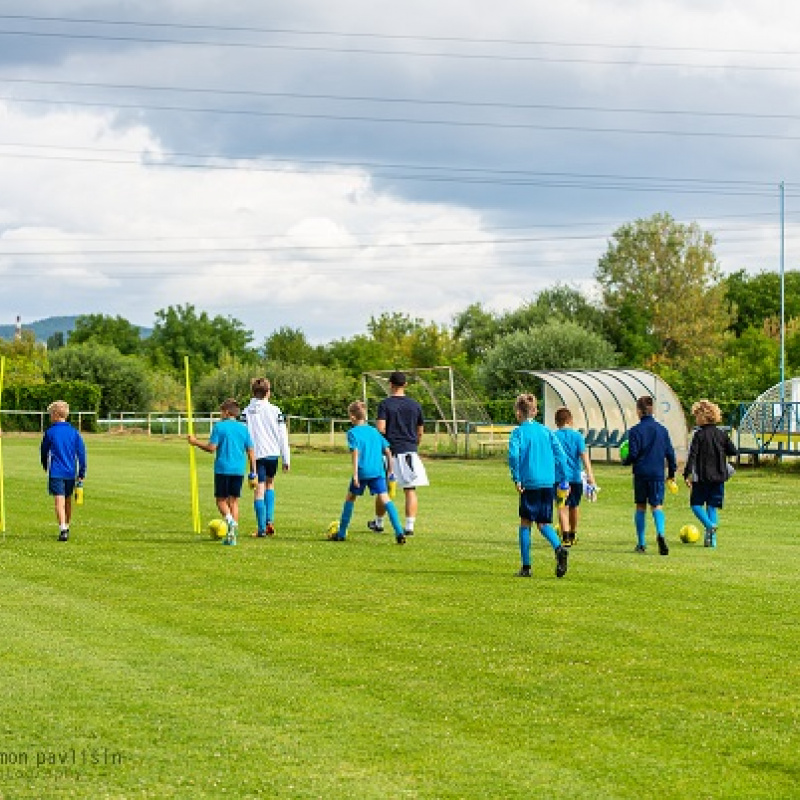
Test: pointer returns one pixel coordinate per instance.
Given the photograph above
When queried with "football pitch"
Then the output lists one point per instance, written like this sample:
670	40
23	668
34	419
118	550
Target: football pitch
140	660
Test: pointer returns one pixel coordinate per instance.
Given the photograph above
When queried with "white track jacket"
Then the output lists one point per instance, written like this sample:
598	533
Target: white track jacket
267	429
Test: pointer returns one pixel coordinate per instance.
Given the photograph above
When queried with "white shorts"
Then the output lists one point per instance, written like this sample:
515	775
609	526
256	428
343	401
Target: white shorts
409	471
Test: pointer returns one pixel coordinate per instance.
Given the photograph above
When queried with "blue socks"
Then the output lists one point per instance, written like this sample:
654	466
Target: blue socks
549	533
344	520
269	501
638	521
658	518
525	545
703	517
394	517
261	515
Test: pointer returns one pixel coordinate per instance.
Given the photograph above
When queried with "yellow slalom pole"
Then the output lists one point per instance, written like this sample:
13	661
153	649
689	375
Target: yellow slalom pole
195	495
2	486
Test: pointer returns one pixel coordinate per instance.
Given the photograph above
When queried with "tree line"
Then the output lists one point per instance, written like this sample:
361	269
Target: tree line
661	303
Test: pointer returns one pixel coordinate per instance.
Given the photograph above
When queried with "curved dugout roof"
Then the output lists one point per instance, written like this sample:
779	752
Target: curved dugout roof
605	400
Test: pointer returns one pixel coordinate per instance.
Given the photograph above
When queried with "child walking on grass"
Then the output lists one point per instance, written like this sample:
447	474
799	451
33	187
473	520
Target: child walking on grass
230	442
369	453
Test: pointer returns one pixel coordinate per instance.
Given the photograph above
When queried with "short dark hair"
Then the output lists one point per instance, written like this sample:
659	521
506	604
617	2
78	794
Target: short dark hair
230	407
397	379
260	387
645	405
563	416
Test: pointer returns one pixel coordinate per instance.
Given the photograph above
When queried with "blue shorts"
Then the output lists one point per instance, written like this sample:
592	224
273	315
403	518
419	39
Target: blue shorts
376	486
536	505
575	494
707	493
647	492
61	487
227	485
266	468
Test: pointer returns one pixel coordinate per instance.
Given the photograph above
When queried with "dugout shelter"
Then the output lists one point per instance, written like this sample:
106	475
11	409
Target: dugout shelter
603	404
770	425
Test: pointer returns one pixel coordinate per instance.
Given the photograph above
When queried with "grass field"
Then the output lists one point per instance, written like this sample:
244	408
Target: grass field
142	661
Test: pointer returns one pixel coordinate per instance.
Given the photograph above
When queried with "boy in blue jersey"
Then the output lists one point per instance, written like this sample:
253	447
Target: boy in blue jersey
649	448
537	462
230	441
63	455
574	446
370	453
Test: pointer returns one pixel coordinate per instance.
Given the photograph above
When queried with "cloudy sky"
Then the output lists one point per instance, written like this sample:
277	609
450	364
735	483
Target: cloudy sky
312	164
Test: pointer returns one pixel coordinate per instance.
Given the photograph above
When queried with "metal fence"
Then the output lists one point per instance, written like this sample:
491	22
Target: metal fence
446	437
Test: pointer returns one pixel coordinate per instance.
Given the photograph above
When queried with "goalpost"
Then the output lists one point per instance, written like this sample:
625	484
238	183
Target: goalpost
455	402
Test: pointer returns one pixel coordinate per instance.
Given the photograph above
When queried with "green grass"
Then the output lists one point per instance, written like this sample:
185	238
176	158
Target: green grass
297	668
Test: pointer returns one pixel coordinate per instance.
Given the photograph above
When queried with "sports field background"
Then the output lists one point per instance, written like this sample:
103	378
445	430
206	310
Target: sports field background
140	660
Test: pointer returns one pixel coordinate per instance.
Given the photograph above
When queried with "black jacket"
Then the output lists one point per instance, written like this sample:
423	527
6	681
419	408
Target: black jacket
708	454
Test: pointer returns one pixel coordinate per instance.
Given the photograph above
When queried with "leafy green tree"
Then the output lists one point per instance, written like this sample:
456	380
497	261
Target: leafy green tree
661	286
299	389
355	355
752	299
26	360
290	346
55	341
555	345
180	331
104	329
122	379
476	330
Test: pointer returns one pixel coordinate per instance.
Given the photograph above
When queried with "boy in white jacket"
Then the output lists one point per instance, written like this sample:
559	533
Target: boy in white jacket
270	438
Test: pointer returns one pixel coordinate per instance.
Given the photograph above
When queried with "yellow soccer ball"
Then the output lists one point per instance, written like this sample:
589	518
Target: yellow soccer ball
689	534
217	528
333	529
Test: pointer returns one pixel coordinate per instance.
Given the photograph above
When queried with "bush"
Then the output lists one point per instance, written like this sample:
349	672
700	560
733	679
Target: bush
80	396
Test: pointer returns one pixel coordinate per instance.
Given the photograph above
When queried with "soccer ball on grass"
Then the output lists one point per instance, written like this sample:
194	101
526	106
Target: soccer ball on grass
689	534
217	528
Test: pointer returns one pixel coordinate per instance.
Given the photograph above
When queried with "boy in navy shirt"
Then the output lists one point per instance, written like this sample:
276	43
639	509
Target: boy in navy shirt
649	449
63	455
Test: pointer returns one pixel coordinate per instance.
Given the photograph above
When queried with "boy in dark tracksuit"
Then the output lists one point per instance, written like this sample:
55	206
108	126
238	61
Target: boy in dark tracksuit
63	455
649	449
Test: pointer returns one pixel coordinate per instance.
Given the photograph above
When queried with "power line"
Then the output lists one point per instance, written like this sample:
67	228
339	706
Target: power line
404	53
386	36
480	124
403	100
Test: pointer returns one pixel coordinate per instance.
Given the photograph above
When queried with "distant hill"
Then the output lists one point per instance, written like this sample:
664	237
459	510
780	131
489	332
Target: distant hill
45	328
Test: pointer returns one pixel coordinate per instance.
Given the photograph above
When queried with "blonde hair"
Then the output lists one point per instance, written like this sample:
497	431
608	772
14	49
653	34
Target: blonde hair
357	410
526	405
706	413
59	409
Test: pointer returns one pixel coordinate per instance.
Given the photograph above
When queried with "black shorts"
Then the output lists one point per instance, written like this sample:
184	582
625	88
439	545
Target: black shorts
707	493
227	485
266	468
536	505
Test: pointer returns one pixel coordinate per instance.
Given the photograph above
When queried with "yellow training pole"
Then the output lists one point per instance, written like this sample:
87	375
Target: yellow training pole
2	487
195	496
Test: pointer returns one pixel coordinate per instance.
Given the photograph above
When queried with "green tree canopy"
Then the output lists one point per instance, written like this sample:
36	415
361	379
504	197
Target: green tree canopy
180	331
752	299
122	379
26	360
558	344
104	329
290	346
661	290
